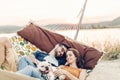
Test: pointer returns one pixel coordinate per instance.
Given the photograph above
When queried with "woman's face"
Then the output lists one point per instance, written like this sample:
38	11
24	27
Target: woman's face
70	57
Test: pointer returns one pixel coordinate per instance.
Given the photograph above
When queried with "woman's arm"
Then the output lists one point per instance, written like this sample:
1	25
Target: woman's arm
83	75
69	75
66	73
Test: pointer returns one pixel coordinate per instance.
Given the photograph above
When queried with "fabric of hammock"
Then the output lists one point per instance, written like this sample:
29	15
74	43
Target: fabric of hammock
8	75
39	37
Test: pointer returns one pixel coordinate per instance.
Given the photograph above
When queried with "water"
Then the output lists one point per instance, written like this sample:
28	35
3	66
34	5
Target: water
7	34
97	38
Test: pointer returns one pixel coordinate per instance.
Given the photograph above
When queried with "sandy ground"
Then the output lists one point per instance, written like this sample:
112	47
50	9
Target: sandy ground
106	70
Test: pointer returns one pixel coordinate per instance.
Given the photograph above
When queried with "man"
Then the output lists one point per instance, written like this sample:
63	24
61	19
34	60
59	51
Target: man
56	57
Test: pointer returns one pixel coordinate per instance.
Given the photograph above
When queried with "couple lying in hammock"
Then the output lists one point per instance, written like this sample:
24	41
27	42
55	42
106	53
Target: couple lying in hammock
60	55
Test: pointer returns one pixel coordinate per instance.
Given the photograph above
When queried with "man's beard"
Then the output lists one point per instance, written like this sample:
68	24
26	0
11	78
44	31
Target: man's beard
60	56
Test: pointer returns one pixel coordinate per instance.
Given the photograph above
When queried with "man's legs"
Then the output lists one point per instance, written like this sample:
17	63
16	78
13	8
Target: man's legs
24	61
31	71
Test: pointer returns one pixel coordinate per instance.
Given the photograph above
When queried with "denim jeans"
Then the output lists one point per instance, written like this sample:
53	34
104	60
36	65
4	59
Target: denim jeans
25	61
31	71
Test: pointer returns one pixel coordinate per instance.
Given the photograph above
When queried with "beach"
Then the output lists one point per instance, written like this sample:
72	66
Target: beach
106	70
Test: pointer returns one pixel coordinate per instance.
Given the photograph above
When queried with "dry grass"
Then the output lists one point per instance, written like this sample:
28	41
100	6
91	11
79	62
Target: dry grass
112	51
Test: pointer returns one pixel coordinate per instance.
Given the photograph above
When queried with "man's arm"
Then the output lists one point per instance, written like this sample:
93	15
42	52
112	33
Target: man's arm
32	57
52	52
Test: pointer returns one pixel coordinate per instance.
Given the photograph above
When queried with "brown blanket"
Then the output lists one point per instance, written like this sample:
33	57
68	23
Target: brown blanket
46	40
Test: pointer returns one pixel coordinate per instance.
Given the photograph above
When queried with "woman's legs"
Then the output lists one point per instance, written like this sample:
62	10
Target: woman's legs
24	61
31	71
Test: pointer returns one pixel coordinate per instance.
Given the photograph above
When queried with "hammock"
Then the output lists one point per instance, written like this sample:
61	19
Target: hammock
33	38
7	75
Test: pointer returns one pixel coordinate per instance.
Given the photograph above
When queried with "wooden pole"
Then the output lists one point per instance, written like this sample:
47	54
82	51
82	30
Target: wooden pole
80	21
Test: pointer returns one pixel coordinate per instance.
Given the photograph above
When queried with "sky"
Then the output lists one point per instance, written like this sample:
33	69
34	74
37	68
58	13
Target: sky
20	12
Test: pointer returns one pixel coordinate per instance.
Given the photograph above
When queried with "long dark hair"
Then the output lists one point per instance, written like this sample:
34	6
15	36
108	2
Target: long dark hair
77	55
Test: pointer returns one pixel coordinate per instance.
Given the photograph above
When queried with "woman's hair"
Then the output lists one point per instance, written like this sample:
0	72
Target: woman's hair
77	55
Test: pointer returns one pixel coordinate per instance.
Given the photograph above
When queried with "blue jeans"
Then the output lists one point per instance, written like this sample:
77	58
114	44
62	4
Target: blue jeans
25	61
31	71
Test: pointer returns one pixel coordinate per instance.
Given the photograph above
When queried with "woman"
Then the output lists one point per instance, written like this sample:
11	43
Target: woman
73	72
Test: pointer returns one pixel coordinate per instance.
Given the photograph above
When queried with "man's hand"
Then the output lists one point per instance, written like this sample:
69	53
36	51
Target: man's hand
32	57
56	46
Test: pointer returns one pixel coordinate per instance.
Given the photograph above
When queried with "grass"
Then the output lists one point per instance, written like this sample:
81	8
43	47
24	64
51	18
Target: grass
112	52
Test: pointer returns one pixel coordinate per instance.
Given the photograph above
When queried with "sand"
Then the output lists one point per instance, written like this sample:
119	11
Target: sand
106	70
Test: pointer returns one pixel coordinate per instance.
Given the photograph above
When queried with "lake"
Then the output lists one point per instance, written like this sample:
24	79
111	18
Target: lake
97	38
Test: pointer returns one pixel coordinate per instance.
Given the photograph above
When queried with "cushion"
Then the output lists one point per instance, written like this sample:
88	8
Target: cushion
46	41
40	37
21	46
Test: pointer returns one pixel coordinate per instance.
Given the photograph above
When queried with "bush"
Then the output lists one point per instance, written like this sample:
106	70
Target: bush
112	52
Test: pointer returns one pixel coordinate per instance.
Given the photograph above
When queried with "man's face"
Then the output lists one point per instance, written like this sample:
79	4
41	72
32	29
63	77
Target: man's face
59	51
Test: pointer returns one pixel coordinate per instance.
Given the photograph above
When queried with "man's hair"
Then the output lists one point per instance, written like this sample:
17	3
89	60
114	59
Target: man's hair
64	44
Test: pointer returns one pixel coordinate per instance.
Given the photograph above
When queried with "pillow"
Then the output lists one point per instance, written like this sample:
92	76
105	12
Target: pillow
46	41
41	38
21	46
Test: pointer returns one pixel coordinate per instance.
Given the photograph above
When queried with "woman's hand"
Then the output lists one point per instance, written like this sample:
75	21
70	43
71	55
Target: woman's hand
59	72
60	67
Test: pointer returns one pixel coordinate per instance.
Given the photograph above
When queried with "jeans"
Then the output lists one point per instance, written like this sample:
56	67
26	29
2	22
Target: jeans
31	71
25	61
27	67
